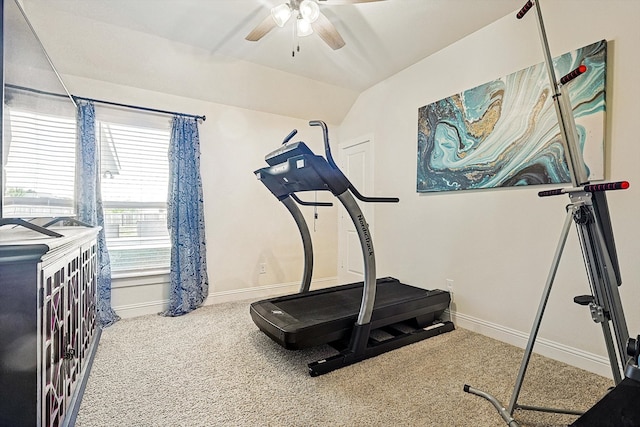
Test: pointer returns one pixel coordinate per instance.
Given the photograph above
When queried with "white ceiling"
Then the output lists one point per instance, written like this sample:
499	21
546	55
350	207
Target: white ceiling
381	37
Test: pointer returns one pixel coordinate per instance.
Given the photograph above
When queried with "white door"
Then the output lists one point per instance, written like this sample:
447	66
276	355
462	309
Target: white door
356	161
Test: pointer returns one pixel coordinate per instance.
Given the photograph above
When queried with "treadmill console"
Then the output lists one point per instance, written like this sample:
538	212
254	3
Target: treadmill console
287	151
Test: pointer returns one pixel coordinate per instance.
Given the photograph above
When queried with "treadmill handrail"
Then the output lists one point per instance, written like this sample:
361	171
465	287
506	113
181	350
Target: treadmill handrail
372	199
290	136
325	136
303	203
329	156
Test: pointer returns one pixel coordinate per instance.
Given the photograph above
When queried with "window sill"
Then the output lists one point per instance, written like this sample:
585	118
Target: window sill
134	274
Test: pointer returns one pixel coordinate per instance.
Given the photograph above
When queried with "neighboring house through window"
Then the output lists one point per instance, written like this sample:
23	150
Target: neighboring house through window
135	175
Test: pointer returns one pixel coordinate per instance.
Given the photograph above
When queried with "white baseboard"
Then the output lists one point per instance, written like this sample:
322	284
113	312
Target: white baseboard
153	307
141	309
266	291
551	349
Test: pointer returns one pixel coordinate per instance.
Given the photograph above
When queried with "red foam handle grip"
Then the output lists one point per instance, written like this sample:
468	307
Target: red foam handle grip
572	75
589	188
524	9
555	192
621	185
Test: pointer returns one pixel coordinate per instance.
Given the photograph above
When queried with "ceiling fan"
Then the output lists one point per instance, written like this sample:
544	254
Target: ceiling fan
308	18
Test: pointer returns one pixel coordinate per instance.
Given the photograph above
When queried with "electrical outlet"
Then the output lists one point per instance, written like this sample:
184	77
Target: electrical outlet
263	268
450	288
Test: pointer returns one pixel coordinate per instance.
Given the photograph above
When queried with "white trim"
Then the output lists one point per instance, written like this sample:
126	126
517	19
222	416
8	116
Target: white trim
367	137
159	278
554	350
344	222
130	274
266	291
141	309
256	293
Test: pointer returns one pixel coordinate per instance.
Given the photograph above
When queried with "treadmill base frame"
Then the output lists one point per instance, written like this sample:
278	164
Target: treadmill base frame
375	348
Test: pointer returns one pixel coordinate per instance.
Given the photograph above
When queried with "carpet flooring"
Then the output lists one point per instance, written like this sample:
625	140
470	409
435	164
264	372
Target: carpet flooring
213	367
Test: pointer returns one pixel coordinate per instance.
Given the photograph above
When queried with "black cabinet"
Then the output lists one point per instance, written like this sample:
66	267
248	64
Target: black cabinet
48	329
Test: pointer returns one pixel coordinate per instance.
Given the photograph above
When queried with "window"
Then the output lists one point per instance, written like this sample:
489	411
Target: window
135	176
39	164
39	179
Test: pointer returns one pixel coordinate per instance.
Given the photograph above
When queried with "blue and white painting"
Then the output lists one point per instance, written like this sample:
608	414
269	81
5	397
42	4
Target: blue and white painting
505	132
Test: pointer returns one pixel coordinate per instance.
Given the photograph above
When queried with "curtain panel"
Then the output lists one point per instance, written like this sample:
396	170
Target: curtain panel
185	219
89	203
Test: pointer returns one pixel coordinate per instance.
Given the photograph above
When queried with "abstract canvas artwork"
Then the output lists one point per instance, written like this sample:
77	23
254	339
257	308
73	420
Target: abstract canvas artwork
505	132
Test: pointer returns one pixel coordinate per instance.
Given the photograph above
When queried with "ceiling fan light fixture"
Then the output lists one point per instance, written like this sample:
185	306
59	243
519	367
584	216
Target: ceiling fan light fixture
281	14
304	27
309	10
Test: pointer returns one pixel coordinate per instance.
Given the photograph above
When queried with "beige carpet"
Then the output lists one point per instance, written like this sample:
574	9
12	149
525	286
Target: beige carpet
213	367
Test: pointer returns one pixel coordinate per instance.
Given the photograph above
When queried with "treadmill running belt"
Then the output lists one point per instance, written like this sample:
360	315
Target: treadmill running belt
327	315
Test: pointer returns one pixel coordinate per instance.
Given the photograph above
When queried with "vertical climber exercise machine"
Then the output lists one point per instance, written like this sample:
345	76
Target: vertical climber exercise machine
589	211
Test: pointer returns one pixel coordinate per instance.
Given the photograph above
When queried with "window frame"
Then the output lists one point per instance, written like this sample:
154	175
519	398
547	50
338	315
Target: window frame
116	249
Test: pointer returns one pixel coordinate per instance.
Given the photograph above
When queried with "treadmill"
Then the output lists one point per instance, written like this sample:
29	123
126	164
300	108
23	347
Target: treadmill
360	320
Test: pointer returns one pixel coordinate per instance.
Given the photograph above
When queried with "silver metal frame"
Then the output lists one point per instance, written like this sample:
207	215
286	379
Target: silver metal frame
307	245
562	104
368	255
606	305
366	244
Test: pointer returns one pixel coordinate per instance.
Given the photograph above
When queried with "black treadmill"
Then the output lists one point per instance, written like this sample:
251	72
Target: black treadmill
363	319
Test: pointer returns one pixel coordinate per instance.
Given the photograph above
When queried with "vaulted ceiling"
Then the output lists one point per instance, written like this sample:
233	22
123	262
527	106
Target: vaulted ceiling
382	37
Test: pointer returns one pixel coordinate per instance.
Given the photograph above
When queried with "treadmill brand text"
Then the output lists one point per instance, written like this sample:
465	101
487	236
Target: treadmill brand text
365	231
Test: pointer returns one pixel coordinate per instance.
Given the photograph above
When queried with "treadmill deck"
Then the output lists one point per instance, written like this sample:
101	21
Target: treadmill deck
327	315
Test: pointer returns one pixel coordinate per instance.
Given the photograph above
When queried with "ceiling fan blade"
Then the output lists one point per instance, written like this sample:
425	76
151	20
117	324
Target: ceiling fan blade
331	2
327	32
261	29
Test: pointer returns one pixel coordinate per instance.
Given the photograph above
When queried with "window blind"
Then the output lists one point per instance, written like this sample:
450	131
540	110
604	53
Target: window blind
40	165
135	175
39	180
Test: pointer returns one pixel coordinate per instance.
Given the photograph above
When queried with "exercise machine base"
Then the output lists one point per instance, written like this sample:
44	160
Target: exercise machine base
376	347
328	315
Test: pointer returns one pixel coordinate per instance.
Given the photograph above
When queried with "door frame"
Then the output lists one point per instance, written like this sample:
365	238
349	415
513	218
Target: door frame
367	139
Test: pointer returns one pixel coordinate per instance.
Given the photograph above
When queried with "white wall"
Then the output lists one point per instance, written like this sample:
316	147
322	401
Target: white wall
245	224
497	245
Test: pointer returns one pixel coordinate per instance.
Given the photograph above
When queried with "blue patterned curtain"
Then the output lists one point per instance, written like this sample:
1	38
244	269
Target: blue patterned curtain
90	209
185	219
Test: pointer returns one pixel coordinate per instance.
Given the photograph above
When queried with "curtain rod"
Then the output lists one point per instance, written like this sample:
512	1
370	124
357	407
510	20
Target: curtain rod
116	104
135	107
